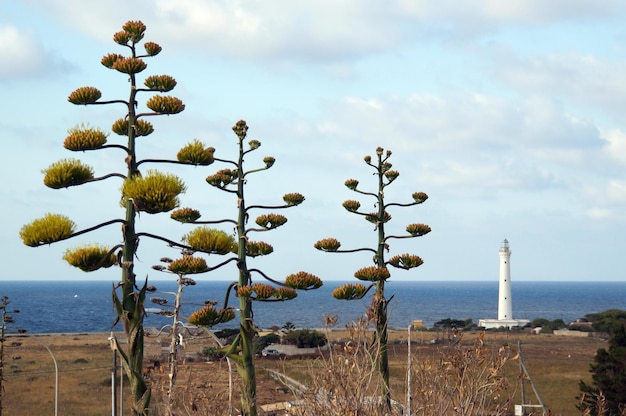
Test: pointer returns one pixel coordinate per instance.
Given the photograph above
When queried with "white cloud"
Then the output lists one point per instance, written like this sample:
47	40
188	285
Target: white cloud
484	15
584	81
23	56
616	147
20	54
323	30
320	31
607	201
459	122
469	147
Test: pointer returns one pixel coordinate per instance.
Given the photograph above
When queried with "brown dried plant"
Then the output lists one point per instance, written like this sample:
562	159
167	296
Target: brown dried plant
465	380
599	407
346	381
193	397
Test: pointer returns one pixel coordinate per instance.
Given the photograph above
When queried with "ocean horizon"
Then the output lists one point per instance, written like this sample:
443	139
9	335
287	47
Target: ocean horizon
86	306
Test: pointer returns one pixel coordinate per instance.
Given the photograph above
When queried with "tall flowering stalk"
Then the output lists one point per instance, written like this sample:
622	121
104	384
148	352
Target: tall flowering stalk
187	265
247	288
377	274
151	192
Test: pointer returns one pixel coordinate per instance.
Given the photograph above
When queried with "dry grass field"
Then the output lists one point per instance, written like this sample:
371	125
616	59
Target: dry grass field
555	363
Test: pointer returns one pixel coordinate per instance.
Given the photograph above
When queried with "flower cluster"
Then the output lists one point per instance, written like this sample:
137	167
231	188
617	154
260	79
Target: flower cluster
349	291
188	265
90	257
328	244
154	192
196	153
49	229
185	215
210	240
271	221
372	273
65	173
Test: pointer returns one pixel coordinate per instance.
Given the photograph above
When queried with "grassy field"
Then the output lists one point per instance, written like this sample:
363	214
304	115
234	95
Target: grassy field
556	364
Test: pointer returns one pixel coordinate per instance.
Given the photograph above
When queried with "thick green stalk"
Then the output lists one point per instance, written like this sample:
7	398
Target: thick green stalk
246	328
132	302
380	302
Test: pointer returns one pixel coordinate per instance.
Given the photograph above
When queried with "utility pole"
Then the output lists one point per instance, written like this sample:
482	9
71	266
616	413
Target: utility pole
408	373
526	375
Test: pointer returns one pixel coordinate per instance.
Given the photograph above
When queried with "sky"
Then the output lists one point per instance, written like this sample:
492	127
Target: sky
508	114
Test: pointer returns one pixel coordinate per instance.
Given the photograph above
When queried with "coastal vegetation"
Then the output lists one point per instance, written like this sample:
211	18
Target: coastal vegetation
378	274
606	394
154	192
250	286
556	364
149	192
467	371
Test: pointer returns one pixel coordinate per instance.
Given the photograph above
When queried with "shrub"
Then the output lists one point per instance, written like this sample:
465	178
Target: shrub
305	338
259	343
465	379
212	353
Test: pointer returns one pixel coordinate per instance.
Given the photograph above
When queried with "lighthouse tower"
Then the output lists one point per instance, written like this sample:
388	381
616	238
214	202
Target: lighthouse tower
505	304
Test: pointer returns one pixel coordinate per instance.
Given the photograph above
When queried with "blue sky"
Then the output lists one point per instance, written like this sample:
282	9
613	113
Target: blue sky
508	114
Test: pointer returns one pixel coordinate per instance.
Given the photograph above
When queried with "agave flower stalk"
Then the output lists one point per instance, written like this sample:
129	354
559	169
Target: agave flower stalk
188	264
247	290
152	193
377	274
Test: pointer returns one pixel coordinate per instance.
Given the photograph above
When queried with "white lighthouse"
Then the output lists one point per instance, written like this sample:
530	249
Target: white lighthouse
505	301
505	305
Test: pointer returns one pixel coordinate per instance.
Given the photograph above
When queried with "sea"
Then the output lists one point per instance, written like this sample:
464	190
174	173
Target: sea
86	306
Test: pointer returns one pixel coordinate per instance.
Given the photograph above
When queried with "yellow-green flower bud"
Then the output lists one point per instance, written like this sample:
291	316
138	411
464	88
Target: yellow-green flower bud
417	230
328	245
185	215
406	261
293	199
303	281
84	95
372	274
165	104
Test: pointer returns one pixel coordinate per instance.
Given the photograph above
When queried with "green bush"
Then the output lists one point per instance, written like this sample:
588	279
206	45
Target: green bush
450	323
547	326
259	343
305	338
226	333
212	353
605	321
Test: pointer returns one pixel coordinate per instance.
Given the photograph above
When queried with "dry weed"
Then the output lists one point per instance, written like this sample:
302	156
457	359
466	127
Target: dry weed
463	380
346	381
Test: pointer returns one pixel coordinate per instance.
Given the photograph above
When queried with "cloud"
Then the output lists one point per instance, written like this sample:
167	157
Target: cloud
475	18
323	31
474	147
457	122
22	56
616	147
584	81
607	201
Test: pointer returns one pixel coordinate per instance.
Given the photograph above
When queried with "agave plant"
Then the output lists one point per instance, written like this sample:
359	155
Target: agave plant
154	192
377	274
247	289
